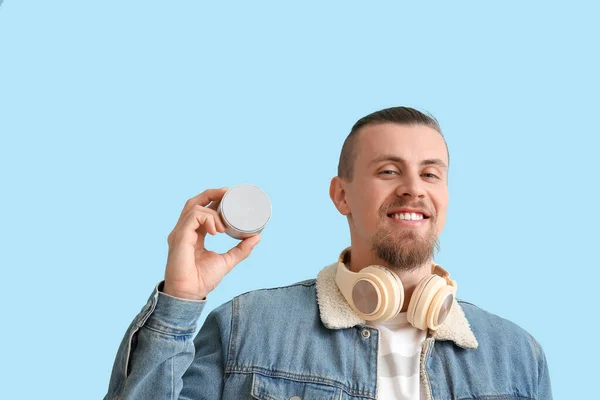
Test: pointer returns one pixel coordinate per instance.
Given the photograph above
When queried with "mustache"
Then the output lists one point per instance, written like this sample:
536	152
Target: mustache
402	202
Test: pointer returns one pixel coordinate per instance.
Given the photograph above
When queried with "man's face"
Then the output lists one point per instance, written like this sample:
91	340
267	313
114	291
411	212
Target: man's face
399	170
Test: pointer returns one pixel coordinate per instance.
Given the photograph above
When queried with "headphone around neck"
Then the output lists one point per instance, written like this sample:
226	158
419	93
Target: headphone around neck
377	294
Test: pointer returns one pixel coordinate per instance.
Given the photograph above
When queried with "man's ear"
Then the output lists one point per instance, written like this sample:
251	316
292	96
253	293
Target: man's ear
337	193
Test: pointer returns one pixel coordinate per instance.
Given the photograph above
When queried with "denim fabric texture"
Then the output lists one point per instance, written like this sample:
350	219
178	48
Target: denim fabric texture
303	341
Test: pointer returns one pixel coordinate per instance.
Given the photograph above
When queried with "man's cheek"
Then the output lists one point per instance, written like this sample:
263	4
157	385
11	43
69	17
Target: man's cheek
441	220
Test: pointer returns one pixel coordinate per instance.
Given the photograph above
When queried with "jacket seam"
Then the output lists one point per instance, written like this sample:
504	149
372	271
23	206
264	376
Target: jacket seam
299	378
127	357
172	378
172	331
232	333
497	397
256	389
423	366
307	283
356	342
377	360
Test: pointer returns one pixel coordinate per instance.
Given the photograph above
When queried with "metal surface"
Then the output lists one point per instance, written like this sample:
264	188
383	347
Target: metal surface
245	210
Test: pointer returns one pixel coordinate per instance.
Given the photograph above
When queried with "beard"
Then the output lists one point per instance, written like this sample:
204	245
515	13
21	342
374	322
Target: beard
404	249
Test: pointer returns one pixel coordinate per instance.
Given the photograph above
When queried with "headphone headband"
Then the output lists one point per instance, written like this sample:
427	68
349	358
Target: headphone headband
436	269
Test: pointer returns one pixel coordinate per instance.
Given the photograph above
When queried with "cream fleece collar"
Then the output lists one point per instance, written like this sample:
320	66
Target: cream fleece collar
337	314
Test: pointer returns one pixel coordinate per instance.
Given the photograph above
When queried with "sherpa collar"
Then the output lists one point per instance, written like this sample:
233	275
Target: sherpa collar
337	314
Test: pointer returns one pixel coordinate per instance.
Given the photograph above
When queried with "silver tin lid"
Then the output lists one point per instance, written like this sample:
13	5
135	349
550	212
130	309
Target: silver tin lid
246	208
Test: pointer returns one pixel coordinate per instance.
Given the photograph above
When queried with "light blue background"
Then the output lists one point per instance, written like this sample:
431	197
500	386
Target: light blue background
113	114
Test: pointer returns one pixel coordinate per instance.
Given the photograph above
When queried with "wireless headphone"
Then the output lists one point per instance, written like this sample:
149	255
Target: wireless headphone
377	294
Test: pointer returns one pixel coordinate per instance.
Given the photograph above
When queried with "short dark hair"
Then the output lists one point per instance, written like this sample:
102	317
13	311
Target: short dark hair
397	115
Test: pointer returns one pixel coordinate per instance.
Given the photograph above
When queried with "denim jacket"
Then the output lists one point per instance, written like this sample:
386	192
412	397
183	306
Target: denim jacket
303	341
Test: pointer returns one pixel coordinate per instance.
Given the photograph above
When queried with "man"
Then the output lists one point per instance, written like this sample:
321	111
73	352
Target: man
380	323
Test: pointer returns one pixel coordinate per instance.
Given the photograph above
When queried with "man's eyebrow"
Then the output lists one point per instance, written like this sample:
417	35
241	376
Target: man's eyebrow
434	161
396	159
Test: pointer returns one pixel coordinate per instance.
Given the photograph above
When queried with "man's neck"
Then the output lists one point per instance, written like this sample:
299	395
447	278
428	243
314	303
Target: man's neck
363	257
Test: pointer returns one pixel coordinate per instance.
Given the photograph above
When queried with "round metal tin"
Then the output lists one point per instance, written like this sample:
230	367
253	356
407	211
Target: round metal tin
245	210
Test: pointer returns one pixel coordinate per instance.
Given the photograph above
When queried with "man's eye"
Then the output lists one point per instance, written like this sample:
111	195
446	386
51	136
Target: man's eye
388	172
432	175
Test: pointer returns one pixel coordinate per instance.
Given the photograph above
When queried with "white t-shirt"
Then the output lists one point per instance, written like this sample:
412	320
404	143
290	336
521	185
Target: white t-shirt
398	369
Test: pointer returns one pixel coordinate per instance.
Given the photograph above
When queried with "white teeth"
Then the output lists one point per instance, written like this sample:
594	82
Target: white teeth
408	216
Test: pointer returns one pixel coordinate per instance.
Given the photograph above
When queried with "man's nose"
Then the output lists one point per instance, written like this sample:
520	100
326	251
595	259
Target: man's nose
411	186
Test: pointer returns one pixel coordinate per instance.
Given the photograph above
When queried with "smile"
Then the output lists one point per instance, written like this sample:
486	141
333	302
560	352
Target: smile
408	216
408	219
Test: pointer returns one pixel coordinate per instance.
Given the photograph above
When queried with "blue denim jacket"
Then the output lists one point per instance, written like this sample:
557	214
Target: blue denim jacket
303	341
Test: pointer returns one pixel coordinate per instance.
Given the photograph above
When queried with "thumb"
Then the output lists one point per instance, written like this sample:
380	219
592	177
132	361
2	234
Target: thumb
240	252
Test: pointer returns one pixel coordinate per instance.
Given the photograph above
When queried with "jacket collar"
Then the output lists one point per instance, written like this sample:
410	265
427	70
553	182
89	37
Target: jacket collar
337	314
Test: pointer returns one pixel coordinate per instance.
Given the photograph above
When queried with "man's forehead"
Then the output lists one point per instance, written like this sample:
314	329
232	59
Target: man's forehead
411	143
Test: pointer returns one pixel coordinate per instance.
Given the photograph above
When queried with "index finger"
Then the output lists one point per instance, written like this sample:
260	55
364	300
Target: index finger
204	199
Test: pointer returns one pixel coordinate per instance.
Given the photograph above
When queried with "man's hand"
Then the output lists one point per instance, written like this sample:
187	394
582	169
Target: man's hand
193	271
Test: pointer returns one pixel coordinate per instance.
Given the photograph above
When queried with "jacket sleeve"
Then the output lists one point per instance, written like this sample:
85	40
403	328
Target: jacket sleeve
544	386
159	358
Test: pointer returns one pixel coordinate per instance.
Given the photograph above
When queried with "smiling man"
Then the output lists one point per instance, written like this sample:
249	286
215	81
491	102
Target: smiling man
392	185
381	322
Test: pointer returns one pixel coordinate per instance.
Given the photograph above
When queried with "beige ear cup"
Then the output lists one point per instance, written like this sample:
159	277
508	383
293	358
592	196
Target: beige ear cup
378	282
393	293
440	307
350	283
429	302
